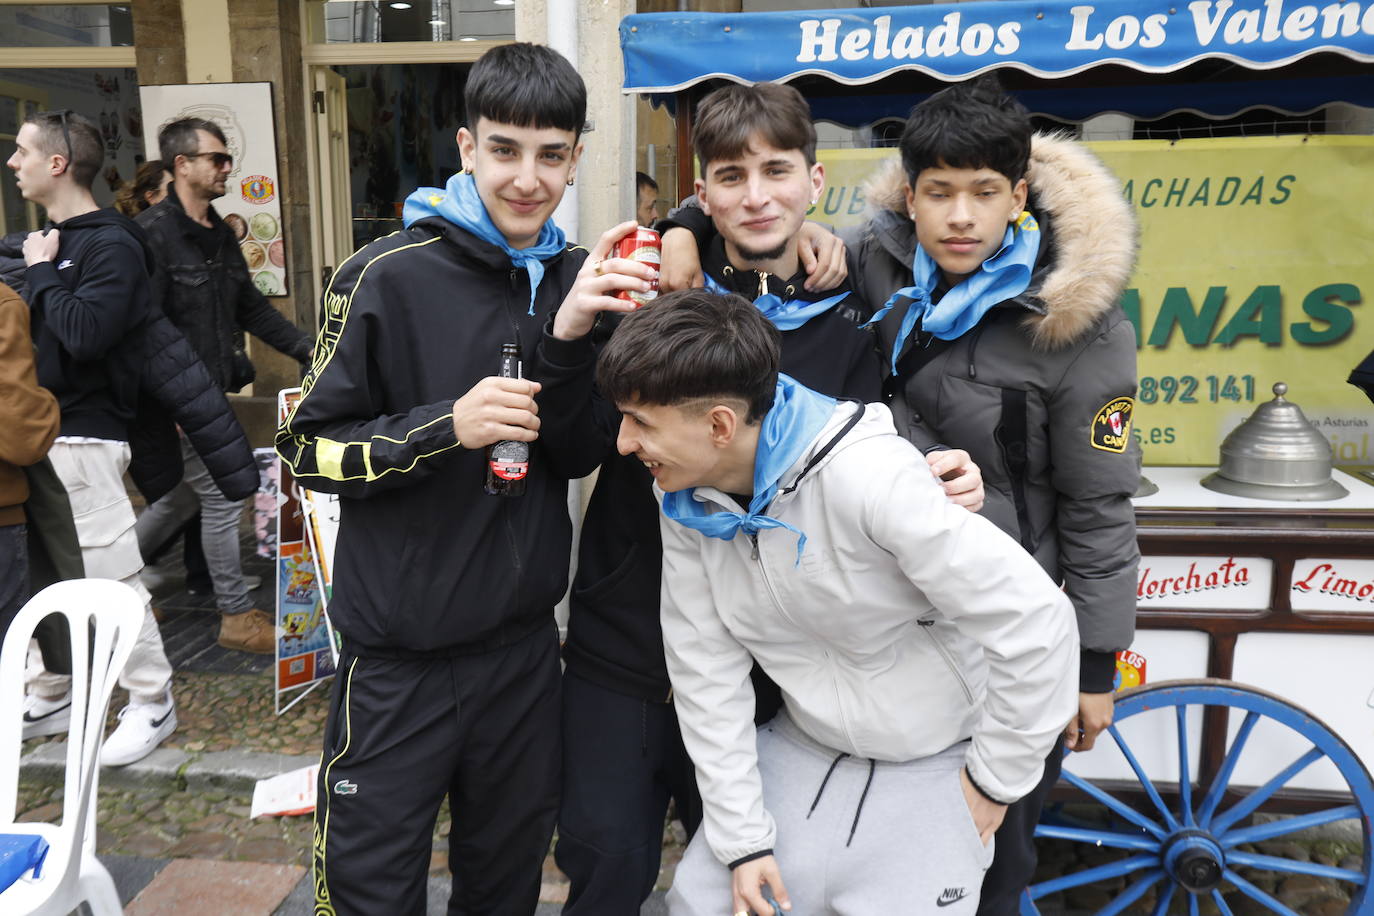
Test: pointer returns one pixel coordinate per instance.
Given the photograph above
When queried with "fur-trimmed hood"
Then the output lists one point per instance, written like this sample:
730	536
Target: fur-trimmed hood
1093	237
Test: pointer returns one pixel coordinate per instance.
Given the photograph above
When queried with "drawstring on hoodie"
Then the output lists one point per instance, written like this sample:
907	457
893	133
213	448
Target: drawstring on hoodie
872	765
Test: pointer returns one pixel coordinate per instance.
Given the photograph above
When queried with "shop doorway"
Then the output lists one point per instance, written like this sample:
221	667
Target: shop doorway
382	130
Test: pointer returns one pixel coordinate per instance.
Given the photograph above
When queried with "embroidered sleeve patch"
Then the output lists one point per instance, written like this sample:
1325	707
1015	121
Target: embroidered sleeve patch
1111	430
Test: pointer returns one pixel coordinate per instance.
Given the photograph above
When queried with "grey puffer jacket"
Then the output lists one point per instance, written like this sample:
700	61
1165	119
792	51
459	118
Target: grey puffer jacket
1053	368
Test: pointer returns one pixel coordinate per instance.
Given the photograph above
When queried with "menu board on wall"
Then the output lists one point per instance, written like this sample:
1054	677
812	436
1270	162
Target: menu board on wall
251	204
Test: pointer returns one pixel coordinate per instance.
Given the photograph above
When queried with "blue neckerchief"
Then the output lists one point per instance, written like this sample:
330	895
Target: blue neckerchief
459	203
796	418
785	316
1004	275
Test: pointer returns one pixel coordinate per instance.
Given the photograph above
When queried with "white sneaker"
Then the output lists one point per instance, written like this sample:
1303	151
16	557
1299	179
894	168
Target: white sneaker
142	727
46	717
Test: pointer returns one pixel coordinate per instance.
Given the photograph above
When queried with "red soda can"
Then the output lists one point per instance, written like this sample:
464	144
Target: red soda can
642	245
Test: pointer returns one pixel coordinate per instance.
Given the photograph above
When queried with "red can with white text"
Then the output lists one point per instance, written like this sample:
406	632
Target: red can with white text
642	245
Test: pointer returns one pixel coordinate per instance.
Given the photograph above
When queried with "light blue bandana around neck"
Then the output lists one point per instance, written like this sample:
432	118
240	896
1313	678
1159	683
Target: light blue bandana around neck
785	316
1001	277
796	418
459	203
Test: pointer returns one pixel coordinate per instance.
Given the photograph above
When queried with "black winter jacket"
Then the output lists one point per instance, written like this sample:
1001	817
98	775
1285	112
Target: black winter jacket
212	300
614	637
426	561
86	307
1029	391
177	390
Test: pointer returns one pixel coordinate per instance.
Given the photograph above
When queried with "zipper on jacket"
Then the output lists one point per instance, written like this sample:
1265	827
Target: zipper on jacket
972	348
928	628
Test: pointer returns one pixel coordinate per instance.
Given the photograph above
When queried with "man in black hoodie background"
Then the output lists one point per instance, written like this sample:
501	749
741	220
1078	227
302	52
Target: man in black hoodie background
87	278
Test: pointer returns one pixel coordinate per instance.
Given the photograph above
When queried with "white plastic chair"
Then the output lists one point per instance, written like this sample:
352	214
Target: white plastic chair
105	618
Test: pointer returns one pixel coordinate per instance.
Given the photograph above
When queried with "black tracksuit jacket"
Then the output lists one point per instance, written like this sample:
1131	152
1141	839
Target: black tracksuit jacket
614	638
427	562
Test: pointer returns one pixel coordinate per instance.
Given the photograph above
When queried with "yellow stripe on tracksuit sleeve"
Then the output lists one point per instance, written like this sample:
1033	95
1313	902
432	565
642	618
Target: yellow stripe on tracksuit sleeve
329	456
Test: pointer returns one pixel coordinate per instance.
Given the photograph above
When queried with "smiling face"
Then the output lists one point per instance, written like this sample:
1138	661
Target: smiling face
679	444
34	170
521	174
961	215
759	200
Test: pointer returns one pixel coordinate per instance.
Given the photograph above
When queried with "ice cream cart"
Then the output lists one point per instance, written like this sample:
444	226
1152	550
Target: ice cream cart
1247	709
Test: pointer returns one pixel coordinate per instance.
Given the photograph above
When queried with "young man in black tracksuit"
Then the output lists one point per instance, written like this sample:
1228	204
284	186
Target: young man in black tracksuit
623	754
448	678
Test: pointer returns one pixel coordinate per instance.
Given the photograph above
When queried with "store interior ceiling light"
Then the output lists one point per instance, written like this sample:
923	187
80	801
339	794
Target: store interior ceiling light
399	6
503	2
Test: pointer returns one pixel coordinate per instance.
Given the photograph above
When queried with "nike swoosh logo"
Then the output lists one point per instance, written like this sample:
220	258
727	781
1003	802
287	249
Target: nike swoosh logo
28	717
943	901
157	723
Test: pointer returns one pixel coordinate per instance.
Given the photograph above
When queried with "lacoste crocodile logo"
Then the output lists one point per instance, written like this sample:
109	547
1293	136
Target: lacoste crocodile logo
951	895
344	787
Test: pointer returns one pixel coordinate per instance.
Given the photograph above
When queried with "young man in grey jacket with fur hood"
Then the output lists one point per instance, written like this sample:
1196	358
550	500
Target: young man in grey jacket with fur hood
926	663
1009	253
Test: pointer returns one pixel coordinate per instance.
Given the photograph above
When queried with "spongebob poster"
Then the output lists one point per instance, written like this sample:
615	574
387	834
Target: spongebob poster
305	649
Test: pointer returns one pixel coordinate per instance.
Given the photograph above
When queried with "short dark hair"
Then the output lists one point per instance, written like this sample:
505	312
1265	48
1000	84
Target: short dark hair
693	345
526	85
643	181
729	117
971	125
178	138
87	152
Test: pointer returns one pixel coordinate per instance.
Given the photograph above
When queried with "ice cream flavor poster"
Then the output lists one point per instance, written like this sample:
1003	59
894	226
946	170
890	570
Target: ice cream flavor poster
251	205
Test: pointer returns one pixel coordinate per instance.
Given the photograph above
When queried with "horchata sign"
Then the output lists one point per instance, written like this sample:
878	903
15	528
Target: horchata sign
1217	583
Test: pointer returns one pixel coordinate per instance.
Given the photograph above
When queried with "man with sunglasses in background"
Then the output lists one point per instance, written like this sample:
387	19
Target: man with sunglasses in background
203	284
87	284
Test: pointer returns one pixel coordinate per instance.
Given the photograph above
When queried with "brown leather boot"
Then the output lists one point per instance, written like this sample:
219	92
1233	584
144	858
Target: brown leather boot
251	631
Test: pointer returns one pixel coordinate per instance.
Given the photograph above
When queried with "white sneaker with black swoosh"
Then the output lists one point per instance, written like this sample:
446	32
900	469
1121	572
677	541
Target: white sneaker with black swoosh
46	717
142	727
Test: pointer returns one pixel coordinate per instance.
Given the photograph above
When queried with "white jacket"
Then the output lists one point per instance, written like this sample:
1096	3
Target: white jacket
908	625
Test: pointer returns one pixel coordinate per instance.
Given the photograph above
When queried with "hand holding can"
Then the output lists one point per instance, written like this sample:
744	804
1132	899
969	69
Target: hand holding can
645	246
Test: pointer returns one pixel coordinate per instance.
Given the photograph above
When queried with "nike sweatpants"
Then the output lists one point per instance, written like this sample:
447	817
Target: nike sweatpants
882	837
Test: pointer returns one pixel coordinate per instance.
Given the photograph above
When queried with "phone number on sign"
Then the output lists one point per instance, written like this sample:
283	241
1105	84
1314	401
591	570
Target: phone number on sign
1189	389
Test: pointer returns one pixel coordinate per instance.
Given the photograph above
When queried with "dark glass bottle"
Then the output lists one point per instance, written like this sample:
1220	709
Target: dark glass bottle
508	462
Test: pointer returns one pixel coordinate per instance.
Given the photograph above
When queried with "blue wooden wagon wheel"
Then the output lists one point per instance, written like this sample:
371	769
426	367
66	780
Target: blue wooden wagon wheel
1191	849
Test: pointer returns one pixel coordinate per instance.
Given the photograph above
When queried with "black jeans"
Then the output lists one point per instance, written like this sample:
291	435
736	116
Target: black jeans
1014	860
402	733
623	760
14	573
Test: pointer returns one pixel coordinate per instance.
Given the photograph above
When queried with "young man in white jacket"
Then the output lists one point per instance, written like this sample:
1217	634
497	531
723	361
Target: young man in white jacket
927	663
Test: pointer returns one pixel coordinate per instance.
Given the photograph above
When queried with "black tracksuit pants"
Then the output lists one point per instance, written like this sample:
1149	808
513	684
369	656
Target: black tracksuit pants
1014	859
404	732
623	760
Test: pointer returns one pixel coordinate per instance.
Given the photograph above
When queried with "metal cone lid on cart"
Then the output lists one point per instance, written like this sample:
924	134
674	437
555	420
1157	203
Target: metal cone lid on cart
1276	454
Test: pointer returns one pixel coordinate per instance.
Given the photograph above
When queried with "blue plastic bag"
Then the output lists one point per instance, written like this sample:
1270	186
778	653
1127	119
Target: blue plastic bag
19	853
